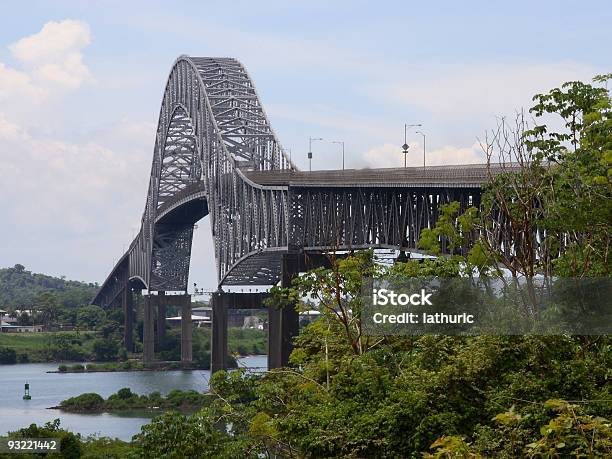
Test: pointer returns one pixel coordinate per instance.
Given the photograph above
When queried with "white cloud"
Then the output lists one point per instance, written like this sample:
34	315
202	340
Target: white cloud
10	131
479	88
70	203
41	178
16	83
390	155
51	62
54	55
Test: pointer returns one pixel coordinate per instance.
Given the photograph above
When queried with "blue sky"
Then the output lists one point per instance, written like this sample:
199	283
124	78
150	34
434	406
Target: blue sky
81	84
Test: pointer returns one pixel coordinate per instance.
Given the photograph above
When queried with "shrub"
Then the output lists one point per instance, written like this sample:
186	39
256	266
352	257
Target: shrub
62	368
7	355
124	393
122	354
70	444
105	349
242	349
85	402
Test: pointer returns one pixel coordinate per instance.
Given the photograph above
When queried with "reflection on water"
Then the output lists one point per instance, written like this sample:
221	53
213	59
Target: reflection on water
49	389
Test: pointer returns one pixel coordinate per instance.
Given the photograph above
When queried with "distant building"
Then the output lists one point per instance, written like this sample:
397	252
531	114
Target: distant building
253	322
8	328
200	317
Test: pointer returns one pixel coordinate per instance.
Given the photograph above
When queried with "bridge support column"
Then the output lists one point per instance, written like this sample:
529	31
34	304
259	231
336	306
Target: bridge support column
128	318
283	324
161	319
218	354
148	339
186	330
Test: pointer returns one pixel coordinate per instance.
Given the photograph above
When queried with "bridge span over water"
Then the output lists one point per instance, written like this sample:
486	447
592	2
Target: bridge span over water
216	155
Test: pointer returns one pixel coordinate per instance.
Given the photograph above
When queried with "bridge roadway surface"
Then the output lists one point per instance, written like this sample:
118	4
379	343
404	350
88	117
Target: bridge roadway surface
465	175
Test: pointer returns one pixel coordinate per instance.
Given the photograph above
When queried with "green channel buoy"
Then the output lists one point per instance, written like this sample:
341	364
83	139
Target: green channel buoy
26	395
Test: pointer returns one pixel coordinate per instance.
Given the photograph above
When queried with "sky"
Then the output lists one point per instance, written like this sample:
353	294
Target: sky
81	85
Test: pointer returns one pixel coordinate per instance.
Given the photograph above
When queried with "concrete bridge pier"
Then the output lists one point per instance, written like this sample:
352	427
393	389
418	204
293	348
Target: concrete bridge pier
218	351
161	319
221	303
150	340
283	324
127	304
148	331
186	331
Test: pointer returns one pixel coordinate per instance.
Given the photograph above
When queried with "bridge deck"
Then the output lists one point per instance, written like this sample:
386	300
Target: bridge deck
468	176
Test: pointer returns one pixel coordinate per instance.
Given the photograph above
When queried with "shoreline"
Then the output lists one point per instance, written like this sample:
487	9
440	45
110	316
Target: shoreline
106	367
127	370
151	411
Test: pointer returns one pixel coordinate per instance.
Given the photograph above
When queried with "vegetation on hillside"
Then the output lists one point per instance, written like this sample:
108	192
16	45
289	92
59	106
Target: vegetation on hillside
22	289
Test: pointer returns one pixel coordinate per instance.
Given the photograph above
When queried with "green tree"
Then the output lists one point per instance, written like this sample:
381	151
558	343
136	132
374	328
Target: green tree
173	435
24	319
105	349
90	316
48	308
70	445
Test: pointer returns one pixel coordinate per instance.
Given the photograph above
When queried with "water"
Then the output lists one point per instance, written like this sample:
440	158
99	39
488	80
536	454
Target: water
49	389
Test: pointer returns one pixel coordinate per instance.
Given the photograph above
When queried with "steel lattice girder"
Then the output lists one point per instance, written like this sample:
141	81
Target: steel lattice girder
215	153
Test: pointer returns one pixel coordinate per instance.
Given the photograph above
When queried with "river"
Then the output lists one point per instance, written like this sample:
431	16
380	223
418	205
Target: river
49	389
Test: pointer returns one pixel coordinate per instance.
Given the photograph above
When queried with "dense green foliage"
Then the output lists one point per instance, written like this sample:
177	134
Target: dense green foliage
73	446
125	399
353	395
70	444
57	303
8	355
22	289
88	402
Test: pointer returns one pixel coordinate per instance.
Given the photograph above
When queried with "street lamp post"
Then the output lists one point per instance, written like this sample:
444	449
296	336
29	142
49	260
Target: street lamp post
423	134
310	139
405	147
340	142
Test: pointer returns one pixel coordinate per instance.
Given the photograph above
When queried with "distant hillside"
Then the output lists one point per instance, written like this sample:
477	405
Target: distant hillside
20	289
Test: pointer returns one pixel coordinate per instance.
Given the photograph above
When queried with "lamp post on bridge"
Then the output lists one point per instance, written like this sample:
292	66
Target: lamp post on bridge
310	140
340	142
405	147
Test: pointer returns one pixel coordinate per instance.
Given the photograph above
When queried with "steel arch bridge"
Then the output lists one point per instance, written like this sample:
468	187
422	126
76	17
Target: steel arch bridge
216	154
212	128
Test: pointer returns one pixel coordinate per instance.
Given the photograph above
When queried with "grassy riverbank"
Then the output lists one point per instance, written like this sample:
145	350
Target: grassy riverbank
50	346
89	346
